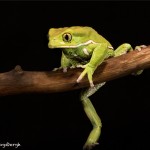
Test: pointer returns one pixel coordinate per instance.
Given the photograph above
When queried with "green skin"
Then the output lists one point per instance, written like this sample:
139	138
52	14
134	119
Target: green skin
84	47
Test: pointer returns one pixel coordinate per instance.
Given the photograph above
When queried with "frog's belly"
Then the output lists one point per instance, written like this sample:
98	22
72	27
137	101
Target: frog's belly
76	56
78	59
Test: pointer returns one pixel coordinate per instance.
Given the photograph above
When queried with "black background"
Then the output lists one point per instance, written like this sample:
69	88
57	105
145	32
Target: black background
55	121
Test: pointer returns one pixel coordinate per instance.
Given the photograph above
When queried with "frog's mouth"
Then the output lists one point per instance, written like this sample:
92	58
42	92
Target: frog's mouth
72	46
75	46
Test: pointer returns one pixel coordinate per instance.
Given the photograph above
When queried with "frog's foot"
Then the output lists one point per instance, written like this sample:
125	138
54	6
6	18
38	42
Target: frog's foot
137	73
89	146
64	69
72	67
81	77
89	71
55	69
139	48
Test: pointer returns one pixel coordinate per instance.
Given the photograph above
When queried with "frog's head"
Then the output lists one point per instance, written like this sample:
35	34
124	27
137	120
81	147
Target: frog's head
68	37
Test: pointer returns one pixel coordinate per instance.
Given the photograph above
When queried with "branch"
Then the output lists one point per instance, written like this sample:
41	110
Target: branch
18	81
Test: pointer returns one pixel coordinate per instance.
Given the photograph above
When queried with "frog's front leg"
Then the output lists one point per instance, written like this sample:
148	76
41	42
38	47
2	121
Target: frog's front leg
65	63
92	115
98	56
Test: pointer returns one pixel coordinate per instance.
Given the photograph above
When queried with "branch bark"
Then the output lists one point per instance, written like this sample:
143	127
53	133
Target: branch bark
18	81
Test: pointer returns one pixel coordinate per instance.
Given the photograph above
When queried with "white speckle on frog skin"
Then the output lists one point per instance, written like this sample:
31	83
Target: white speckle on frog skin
85	51
110	47
75	55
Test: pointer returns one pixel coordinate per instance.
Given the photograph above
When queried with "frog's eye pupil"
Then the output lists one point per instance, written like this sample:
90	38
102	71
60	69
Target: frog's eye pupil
67	37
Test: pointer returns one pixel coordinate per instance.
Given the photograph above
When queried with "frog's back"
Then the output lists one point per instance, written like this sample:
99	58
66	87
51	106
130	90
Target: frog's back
96	37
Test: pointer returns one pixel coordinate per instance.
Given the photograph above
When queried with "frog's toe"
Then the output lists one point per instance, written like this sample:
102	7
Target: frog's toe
91	84
81	76
139	48
139	72
65	69
79	79
72	67
89	146
55	69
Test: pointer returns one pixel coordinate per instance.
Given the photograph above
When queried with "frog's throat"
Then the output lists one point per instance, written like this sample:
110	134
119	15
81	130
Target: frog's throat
82	44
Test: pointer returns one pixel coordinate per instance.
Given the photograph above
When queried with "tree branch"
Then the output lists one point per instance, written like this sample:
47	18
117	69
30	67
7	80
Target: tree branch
18	81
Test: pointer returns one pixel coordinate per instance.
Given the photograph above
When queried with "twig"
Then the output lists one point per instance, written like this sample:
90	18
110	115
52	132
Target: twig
18	81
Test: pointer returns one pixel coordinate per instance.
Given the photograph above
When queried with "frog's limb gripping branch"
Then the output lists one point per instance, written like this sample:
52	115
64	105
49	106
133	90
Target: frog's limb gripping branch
18	81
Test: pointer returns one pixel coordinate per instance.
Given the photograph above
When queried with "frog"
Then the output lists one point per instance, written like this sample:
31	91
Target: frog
83	47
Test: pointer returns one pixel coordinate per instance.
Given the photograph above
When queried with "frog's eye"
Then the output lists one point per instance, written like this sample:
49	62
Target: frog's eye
67	37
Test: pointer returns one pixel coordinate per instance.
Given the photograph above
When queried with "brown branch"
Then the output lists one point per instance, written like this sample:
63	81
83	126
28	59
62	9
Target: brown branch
18	81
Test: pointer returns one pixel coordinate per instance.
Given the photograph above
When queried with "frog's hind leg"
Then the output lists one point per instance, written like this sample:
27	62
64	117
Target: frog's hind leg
92	115
123	49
